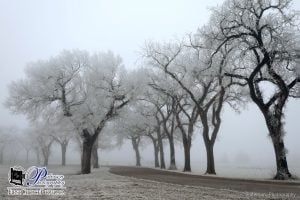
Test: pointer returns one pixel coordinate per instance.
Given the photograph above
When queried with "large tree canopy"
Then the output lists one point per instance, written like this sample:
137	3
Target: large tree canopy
264	37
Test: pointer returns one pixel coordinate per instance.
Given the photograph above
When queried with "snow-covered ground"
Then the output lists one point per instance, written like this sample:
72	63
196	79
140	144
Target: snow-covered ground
101	184
244	171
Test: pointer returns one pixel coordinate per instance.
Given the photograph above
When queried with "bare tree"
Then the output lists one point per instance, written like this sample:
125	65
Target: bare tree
89	90
5	139
160	137
9	136
39	133
135	140
107	140
132	128
62	131
265	40
185	115
175	106
162	111
37	153
168	123
52	84
107	94
151	128
201	81
26	144
152	134
30	143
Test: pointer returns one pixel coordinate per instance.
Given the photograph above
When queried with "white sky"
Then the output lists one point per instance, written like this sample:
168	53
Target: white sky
38	29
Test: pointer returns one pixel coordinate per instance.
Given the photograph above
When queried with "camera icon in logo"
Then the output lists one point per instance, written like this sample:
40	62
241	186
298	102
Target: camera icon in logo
16	176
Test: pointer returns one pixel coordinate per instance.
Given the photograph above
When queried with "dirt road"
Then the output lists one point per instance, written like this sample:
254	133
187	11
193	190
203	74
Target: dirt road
207	181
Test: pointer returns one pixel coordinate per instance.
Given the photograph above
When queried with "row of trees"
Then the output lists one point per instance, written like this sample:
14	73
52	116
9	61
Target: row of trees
37	140
246	46
87	90
35	143
24	143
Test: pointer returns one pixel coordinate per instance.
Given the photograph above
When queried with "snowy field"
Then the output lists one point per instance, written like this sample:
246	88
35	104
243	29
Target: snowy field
101	184
245	171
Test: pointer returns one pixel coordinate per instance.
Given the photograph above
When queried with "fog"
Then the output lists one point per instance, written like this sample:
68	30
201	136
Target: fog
34	29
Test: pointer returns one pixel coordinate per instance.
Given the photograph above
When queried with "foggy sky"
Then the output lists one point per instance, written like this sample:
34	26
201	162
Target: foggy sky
35	29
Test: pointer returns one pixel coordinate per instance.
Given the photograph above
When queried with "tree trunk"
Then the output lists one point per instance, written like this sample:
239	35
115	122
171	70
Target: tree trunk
281	161
187	156
210	168
172	154
86	157
46	154
138	158
156	151
169	133
272	111
161	151
87	148
46	159
276	132
135	146
37	153
63	153
95	158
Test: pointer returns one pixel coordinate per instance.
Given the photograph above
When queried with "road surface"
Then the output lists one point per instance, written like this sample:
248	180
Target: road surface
208	181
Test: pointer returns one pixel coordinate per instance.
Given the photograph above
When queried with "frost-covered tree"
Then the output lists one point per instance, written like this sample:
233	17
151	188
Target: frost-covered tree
9	137
163	112
26	145
29	142
176	107
148	110
5	140
40	135
264	35
152	134
49	84
88	89
62	130
201	81
132	127
105	141
108	89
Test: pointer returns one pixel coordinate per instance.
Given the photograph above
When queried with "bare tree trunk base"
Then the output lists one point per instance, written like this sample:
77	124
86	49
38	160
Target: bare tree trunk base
210	172
172	167
284	175
86	158
187	170
283	172
187	158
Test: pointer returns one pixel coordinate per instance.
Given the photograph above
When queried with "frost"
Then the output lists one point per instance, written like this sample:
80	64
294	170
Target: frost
101	184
